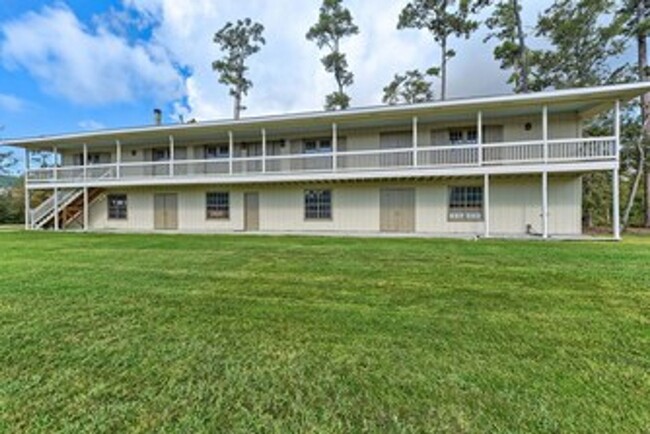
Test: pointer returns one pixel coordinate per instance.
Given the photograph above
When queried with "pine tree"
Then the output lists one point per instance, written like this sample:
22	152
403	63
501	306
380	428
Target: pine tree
636	17
334	24
584	39
506	26
412	87
239	41
443	19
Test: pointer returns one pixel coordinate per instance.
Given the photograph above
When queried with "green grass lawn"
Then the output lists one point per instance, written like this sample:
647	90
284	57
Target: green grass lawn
114	333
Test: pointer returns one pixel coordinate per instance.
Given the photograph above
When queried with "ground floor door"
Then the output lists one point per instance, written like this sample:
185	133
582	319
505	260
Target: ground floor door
165	211
397	210
251	212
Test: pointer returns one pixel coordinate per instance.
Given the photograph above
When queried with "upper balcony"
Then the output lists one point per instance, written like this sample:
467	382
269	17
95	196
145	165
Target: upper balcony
513	134
505	157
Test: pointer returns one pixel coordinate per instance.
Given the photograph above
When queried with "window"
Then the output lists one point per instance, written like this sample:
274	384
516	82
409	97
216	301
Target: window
318	204
455	137
318	146
213	152
465	204
217	205
93	159
160	154
117	206
463	137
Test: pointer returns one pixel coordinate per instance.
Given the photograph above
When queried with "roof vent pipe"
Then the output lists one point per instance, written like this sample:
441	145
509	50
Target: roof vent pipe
157	117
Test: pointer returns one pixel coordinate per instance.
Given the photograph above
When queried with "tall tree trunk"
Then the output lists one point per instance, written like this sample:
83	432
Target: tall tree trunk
237	106
443	70
523	49
642	43
635	185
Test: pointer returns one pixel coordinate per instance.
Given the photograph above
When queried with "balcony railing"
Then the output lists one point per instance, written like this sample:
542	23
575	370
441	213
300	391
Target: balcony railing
432	157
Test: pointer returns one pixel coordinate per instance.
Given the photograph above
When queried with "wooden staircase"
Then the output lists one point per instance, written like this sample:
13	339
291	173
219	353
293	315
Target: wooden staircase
74	211
71	207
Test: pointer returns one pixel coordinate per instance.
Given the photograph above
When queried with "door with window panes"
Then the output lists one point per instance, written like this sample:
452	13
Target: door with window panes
160	156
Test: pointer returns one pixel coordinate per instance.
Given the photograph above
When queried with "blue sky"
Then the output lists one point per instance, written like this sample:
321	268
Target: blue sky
80	65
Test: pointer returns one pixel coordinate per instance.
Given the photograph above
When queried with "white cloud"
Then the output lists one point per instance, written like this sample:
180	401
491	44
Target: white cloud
91	125
287	73
101	65
11	103
83	65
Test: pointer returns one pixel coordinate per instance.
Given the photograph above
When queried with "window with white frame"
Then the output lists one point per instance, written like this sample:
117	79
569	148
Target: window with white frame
463	136
465	203
217	151
318	204
217	205
117	206
317	146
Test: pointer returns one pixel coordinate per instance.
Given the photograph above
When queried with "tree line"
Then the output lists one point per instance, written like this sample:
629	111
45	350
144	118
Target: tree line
583	43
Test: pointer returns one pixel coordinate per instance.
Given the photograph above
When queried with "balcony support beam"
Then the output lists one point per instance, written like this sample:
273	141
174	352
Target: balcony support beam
85	208
26	184
415	141
231	150
616	207
335	146
545	132
479	136
486	204
545	204
118	158
55	167
56	208
263	150
171	155
85	162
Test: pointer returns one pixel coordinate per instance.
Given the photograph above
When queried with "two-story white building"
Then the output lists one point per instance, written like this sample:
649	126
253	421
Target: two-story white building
495	166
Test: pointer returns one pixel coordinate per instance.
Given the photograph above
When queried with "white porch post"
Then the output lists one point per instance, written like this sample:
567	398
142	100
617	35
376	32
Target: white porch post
486	204
55	168
415	141
171	155
335	146
231	150
479	136
263	150
26	186
85	208
118	158
56	208
545	174
85	162
545	132
545	204
616	209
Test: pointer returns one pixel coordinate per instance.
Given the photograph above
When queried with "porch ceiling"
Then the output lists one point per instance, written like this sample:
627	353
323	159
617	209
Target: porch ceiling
586	102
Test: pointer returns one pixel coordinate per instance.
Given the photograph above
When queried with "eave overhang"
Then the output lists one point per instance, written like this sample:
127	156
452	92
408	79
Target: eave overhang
585	102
